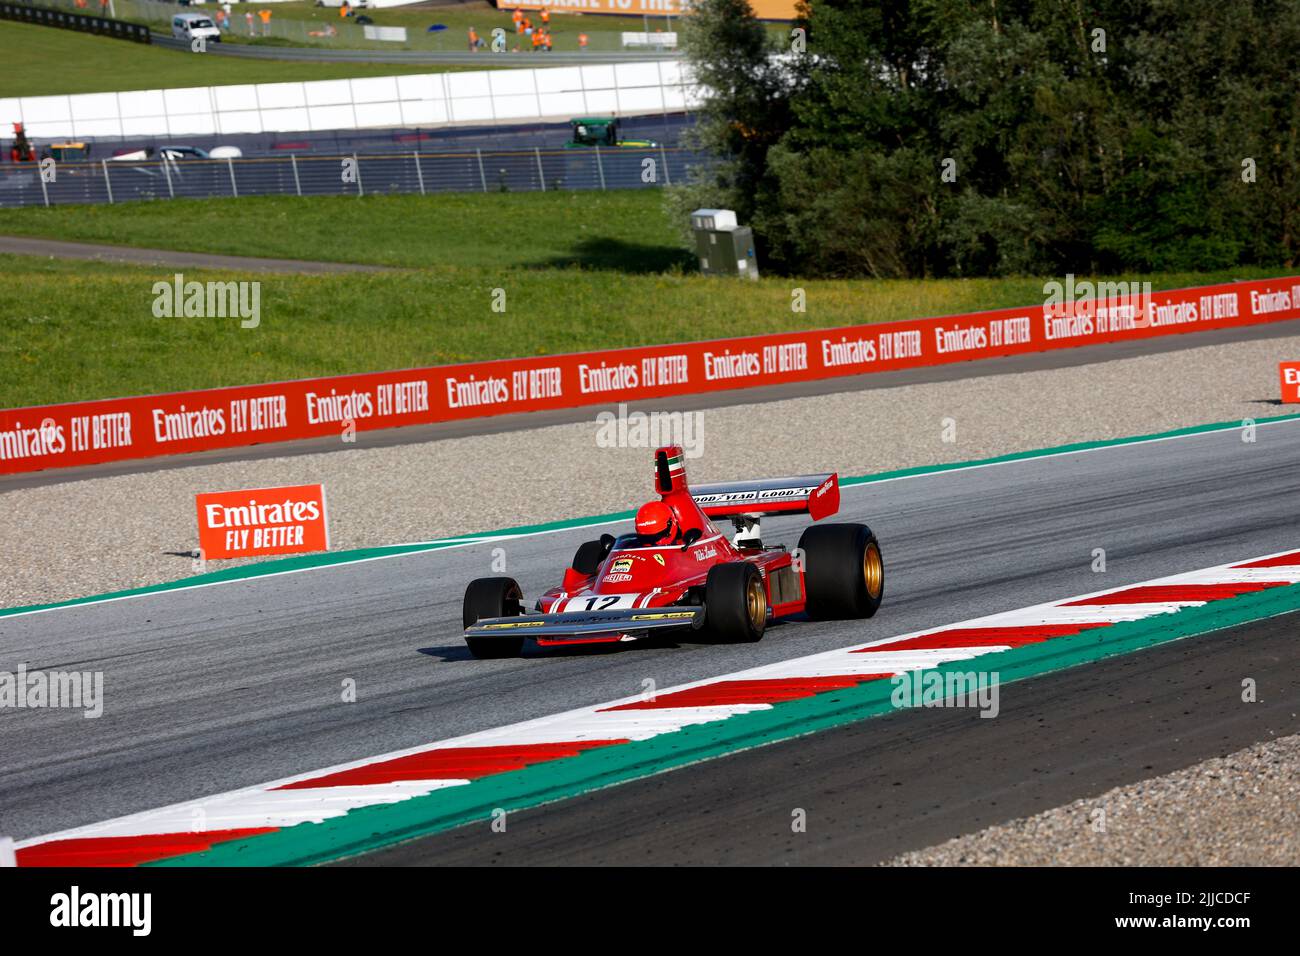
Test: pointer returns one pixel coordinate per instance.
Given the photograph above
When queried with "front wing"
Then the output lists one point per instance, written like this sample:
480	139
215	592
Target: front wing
586	624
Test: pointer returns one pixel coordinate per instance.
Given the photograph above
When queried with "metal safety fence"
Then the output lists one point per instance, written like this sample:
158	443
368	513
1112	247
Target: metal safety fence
536	170
70	17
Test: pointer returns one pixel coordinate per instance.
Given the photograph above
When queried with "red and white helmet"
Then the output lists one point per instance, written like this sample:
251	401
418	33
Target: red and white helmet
656	522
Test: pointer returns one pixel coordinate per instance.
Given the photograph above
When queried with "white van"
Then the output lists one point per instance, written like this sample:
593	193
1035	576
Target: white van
187	26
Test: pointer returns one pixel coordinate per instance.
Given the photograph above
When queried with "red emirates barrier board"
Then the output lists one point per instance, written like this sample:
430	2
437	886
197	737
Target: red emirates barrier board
1289	374
255	522
87	433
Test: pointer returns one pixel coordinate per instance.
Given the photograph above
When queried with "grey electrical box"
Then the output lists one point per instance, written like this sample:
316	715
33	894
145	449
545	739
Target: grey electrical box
724	248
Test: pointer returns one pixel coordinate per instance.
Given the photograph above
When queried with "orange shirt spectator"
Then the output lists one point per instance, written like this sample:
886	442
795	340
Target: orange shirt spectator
582	41
546	15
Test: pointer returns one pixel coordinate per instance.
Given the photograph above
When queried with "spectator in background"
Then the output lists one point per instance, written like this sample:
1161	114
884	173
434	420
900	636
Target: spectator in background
546	40
546	17
248	18
582	42
345	10
223	20
536	36
518	17
475	42
266	22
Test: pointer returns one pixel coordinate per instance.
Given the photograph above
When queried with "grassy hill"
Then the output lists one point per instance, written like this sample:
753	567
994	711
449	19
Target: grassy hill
579	271
41	61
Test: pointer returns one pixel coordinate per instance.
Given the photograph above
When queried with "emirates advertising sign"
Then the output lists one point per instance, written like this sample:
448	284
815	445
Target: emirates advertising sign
262	521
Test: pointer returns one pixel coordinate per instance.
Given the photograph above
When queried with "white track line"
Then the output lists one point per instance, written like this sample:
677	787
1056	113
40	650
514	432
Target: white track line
464	541
268	806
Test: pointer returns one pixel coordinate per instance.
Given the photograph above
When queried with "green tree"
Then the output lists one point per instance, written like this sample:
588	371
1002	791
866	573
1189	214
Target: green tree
975	137
729	53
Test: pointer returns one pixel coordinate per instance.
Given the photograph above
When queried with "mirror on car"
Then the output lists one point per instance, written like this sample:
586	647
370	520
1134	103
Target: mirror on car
690	537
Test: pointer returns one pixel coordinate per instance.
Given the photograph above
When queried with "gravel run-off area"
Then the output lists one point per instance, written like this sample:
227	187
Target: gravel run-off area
90	536
1238	810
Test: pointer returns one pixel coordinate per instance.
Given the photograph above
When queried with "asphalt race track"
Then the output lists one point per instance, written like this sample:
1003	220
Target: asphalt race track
215	688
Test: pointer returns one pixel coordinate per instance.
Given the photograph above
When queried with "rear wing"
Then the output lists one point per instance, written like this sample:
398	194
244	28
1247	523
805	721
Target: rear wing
815	495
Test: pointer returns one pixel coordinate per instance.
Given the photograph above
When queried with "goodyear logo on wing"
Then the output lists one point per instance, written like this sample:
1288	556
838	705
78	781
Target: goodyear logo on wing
784	493
726	497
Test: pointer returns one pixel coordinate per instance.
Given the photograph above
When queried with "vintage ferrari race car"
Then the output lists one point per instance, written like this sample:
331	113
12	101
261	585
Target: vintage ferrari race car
678	572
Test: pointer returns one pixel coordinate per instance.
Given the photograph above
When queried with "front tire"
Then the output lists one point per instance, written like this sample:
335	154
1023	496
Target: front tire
844	573
735	603
492	597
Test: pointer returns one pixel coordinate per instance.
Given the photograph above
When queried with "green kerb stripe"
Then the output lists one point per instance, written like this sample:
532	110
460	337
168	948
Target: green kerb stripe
310	561
371	828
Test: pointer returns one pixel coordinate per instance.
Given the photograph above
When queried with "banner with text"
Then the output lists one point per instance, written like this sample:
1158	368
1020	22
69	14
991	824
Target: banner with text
259	521
88	433
1289	373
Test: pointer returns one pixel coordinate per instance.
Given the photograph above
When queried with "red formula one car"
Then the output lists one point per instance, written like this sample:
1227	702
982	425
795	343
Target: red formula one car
679	572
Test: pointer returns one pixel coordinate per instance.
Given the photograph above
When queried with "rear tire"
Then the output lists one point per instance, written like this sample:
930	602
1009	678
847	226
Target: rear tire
735	603
492	597
844	572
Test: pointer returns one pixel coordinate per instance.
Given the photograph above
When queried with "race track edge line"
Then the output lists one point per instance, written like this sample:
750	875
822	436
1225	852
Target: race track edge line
334	559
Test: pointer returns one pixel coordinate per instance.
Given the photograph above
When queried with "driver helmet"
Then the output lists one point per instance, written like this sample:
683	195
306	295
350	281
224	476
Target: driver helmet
655	522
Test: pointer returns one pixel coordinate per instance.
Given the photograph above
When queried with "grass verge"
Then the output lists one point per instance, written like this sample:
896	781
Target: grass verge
579	271
43	61
603	31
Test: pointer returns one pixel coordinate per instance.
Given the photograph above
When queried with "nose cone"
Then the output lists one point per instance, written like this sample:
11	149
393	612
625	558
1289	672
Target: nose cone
633	571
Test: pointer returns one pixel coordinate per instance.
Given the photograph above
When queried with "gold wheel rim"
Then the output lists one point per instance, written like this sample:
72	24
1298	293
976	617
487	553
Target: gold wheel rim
756	603
873	570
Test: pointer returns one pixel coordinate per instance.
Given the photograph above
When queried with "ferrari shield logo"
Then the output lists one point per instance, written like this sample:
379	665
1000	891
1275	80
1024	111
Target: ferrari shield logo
659	558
